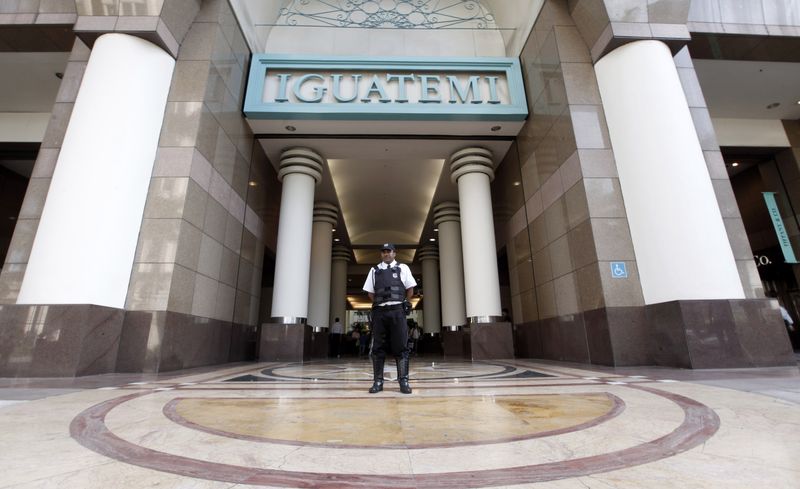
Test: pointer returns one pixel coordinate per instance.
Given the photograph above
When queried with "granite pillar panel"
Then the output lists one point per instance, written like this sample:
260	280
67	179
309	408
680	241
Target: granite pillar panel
161	341
453	343
59	340
632	339
669	339
550	336
244	339
762	333
572	333
598	337
320	340
430	345
489	341
735	333
284	342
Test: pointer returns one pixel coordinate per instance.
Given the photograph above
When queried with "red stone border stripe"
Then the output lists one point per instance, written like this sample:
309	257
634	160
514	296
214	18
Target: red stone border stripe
699	424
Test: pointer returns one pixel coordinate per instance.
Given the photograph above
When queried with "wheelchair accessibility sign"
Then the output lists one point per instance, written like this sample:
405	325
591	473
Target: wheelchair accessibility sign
618	269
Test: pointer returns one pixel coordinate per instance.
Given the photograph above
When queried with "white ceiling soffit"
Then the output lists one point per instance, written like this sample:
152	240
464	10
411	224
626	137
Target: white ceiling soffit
745	89
384	187
511	19
29	81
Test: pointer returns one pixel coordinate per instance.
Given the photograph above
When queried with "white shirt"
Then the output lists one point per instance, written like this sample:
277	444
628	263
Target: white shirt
337	328
405	277
786	316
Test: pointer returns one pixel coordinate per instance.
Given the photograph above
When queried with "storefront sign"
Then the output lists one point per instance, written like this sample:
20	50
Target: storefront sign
780	229
285	87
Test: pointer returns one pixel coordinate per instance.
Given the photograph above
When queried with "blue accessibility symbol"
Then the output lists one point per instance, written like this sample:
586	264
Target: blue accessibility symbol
619	269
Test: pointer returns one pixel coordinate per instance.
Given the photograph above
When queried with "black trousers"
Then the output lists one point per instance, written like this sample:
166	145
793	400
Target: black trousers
389	332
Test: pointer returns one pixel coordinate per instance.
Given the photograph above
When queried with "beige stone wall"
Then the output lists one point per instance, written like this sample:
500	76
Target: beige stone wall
573	222
201	245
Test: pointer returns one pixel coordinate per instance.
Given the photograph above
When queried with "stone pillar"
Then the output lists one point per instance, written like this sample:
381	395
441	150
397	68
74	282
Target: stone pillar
455	342
319	293
431	310
341	256
668	194
300	170
83	252
472	169
451	265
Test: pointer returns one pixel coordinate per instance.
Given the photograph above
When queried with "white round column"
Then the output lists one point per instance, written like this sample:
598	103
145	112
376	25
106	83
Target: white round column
431	310
673	214
319	292
300	170
451	265
341	256
473	170
86	240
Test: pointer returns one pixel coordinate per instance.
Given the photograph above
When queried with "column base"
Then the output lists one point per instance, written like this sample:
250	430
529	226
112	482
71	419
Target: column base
162	341
491	341
320	341
736	333
285	342
62	340
455	344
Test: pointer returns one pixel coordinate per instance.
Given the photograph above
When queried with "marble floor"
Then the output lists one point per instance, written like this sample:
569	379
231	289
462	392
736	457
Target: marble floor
517	423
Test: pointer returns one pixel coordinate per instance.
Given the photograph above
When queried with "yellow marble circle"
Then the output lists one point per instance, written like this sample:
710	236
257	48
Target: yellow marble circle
393	422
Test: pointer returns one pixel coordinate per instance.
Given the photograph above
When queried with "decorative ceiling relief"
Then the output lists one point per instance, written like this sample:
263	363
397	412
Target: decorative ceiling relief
391	14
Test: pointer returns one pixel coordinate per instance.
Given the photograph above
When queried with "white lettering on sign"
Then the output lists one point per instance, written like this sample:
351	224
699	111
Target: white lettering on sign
387	88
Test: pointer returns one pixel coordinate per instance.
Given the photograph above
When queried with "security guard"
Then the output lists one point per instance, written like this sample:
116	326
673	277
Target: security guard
389	285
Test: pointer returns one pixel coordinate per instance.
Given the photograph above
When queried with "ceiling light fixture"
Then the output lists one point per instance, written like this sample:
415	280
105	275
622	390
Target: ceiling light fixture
773	105
435	230
431	239
496	128
252	183
336	239
291	128
60	76
735	164
516	184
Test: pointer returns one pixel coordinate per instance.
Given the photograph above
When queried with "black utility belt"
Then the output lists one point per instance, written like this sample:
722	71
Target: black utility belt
387	308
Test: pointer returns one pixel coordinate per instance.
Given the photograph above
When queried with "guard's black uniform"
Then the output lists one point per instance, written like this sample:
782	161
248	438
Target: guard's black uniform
389	327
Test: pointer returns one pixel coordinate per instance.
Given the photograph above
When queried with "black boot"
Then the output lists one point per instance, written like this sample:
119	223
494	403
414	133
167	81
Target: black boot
377	375
402	374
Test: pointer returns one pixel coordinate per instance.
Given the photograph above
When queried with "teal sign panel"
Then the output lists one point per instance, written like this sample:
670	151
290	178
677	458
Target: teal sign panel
780	229
362	88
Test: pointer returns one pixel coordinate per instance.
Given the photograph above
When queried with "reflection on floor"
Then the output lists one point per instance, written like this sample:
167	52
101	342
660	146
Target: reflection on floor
513	423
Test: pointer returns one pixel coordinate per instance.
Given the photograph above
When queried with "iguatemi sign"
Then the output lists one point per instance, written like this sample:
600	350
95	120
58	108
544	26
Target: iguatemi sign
285	87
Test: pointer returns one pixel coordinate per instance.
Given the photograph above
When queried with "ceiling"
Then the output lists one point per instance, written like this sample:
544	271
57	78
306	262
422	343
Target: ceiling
744	89
385	187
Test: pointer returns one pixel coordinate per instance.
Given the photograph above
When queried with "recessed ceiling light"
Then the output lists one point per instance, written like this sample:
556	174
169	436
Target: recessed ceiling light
333	230
798	102
773	105
516	184
735	163
291	128
431	239
435	230
60	76
252	183
496	128
336	239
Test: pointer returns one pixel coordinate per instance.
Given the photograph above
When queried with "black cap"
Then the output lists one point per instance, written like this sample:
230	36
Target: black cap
387	246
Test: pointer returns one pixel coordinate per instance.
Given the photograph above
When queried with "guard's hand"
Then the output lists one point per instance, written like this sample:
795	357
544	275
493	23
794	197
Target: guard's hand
406	307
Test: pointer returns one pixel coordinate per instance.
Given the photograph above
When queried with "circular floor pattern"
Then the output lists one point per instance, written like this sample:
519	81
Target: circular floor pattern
90	429
405	423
